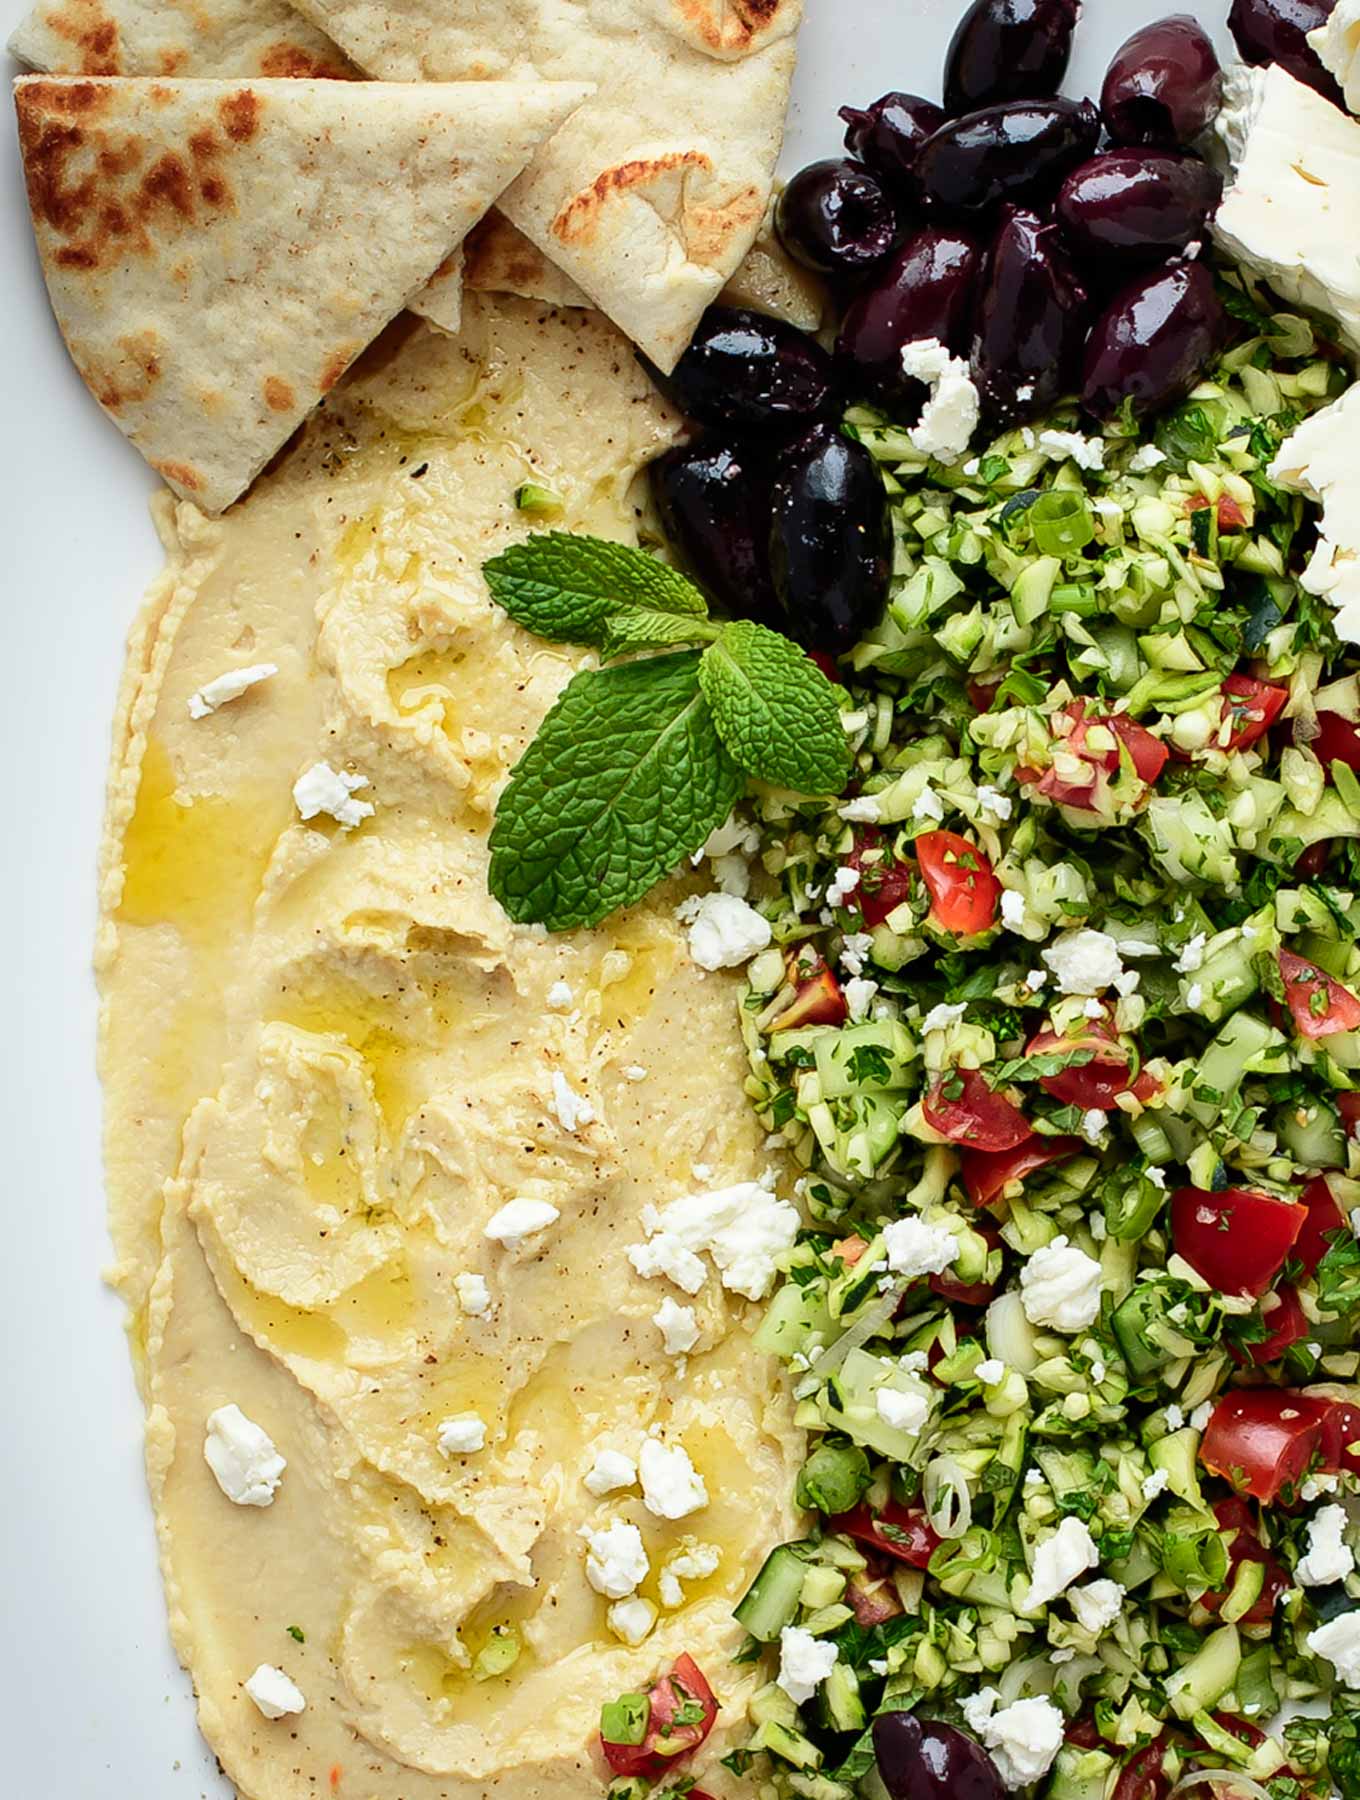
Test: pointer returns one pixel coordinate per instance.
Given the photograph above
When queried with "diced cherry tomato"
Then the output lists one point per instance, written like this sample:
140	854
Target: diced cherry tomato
1236	1239
818	999
1313	860
1348	1105
1324	1218
884	884
1143	1776
850	1249
1337	741
1340	1433
1253	707
1094	1084
964	893
666	1741
1264	1439
983	693
1230	515
1235	1515
986	1173
1147	753
828	665
964	1109
1084	1733
968	1293
1286	1323
903	1532
1320	1005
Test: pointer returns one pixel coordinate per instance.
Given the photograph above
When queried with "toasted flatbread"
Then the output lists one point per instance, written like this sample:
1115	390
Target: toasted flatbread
230	38
218	253
651	195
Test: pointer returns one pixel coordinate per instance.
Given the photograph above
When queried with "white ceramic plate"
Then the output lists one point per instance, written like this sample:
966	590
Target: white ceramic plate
92	1701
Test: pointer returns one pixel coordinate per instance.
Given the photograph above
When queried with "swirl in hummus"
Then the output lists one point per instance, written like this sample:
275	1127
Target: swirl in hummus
330	1063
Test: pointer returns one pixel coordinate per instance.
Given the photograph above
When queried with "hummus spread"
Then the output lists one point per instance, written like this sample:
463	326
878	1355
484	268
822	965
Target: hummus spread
330	1062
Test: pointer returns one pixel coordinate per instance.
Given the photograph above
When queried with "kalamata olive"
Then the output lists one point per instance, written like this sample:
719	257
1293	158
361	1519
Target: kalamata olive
1032	316
830	540
887	135
1008	50
714	502
922	1759
1277	31
835	217
1131	205
1017	152
926	291
1152	341
745	369
1163	86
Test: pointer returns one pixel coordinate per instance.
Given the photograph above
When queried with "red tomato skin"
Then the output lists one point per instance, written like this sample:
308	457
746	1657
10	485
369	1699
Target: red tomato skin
1235	1515
1143	1777
817	1000
1340	1430
1348	1105
862	1524
978	1118
647	1759
1324	1217
1084	1734
1095	1084
968	1293
1337	741
963	898
1287	1324
1255	706
1236	1239
1254	1447
1314	859
827	664
1302	982
1147	753
883	885
986	1173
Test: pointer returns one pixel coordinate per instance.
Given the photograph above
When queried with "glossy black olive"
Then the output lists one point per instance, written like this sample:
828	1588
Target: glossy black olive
1151	343
926	291
922	1759
745	369
887	135
1008	50
1132	205
714	502
836	218
1163	86
1016	152
830	540
1277	31
1032	316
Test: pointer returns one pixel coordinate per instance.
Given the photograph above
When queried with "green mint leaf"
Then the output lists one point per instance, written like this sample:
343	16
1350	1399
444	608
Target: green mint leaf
626	778
640	628
564	587
775	710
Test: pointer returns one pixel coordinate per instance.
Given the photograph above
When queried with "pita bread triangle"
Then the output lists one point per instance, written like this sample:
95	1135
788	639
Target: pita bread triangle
218	252
174	37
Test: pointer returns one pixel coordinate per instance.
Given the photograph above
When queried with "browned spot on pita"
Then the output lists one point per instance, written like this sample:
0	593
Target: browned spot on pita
181	473
705	230
134	376
172	61
335	366
47	145
292	62
578	218
726	25
710	229
90	32
215	192
240	116
495	257
278	395
73	99
116	161
167	183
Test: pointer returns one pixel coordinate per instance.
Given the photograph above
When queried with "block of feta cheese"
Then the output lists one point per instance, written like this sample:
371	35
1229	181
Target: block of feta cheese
1337	44
1322	460
1290	210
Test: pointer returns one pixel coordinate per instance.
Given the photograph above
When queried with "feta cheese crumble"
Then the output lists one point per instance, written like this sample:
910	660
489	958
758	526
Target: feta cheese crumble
560	996
745	1229
274	1694
223	689
631	1620
242	1457
1337	47
462	1436
474	1296
1086	452
990	1370
1096	1606
573	1110
678	1327
1154	1484
610	1471
804	1663
1328	1557
902	1412
917	1248
1060	1287
952	409
519	1219
725	932
1024	1737
672	1487
941	1017
1339	1641
694	1563
1058	1562
322	789
616	1560
1084	961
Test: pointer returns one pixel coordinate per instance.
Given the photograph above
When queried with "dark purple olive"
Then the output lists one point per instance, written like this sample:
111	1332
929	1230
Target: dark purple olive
835	217
887	135
1009	50
745	369
1163	86
830	540
1133	205
1152	341
1016	152
1032	316
714	502
922	1759
1277	31
926	291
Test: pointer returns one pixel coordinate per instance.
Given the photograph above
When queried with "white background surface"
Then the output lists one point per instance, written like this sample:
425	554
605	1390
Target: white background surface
92	1703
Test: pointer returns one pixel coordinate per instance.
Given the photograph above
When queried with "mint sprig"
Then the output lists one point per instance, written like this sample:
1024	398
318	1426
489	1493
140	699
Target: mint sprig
639	761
